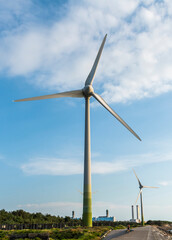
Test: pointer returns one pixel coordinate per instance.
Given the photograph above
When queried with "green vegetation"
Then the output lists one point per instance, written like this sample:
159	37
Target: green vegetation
80	233
22	217
55	227
119	227
53	234
158	222
70	228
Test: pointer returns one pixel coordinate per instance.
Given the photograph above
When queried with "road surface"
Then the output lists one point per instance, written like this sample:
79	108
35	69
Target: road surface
140	233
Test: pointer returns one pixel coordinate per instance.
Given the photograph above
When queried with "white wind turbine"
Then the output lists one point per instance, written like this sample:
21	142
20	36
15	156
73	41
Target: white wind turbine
140	194
87	92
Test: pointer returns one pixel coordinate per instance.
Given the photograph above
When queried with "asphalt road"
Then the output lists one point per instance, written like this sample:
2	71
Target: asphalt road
140	233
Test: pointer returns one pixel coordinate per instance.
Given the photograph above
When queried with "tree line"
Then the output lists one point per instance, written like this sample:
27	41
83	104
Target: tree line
23	217
158	222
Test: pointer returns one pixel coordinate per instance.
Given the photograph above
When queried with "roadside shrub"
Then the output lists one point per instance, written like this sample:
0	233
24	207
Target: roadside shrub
120	227
66	234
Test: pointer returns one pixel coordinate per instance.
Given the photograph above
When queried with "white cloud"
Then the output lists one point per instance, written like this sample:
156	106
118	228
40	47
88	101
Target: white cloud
136	61
12	11
66	208
53	166
55	208
29	56
69	204
165	183
121	212
50	205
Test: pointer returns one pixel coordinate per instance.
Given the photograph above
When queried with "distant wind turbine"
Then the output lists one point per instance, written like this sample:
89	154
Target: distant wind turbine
87	92
140	194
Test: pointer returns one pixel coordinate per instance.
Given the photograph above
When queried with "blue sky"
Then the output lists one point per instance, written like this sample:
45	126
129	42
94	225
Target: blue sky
50	46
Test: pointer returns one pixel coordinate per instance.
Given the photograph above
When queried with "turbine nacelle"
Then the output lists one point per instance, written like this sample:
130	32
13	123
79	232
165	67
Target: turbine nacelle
88	91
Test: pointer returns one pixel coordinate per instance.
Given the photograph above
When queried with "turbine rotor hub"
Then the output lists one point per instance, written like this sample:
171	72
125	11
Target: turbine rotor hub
88	91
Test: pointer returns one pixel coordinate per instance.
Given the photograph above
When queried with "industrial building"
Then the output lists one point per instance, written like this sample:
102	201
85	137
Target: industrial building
104	218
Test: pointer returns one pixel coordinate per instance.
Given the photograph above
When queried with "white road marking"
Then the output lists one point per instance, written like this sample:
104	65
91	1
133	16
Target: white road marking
149	233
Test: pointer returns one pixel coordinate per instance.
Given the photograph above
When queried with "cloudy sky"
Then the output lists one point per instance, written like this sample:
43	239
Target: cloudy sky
50	46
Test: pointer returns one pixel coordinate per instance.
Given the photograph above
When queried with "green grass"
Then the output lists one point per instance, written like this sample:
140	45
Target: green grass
61	234
69	233
119	227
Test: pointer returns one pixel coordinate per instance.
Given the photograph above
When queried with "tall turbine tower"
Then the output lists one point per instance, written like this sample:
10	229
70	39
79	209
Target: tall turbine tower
140	194
87	92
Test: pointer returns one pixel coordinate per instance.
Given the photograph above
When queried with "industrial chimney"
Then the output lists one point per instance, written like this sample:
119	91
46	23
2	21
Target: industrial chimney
73	214
132	210
107	213
137	211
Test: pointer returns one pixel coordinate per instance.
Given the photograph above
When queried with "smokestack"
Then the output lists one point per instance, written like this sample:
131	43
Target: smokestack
132	210
73	214
107	213
137	211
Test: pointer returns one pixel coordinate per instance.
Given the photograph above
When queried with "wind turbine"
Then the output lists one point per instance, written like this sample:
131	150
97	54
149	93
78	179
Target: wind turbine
140	194
87	92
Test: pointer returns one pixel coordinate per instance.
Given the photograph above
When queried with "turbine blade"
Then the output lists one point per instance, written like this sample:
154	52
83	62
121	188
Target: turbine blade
91	75
137	178
104	104
76	93
138	196
149	187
